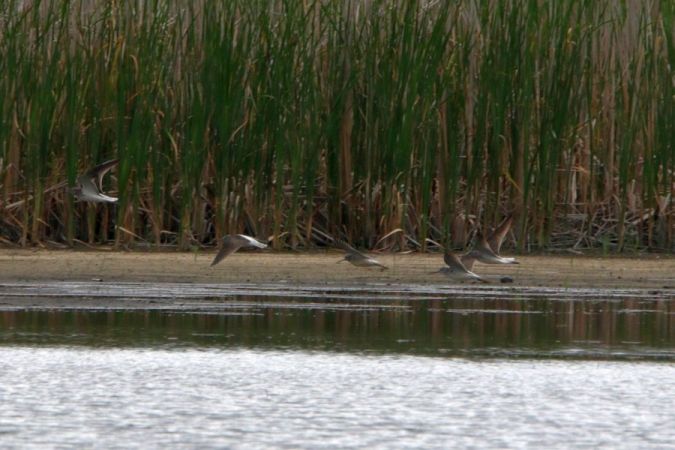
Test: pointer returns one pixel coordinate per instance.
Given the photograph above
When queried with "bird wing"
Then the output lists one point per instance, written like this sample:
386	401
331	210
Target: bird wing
250	242
455	264
99	171
468	260
377	263
349	249
486	255
496	238
88	185
484	247
231	243
362	258
453	261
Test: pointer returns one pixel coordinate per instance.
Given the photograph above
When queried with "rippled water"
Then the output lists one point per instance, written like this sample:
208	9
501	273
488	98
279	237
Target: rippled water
140	398
235	367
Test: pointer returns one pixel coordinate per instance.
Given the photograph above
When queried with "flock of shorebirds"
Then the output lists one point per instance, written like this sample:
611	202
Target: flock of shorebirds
459	267
486	250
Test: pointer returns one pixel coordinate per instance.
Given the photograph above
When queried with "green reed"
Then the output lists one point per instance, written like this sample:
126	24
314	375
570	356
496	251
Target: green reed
355	119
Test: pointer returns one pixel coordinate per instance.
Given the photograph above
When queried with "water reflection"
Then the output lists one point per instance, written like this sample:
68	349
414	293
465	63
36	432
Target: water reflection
638	328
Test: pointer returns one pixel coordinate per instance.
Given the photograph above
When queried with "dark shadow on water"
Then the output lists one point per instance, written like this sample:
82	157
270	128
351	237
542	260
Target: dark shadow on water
531	328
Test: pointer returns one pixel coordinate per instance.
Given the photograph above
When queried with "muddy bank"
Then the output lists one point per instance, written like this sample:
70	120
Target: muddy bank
316	268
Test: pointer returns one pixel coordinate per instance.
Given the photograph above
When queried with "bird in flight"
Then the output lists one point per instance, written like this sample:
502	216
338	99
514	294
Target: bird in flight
232	243
88	185
455	268
357	258
487	249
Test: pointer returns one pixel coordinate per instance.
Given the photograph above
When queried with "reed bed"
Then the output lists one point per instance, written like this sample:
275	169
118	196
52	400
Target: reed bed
382	123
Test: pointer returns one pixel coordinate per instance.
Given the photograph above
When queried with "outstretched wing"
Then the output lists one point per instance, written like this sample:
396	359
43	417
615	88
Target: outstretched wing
496	238
453	261
250	242
356	257
484	247
99	171
456	265
231	243
483	252
348	248
468	260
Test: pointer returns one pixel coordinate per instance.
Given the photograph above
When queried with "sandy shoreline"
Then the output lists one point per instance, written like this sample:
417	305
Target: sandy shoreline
654	271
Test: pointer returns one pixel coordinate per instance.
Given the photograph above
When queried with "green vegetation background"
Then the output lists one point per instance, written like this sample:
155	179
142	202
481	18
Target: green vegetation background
351	118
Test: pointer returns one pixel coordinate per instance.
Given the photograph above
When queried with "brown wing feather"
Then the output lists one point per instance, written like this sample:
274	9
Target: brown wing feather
349	249
100	170
468	260
483	246
496	238
230	245
453	261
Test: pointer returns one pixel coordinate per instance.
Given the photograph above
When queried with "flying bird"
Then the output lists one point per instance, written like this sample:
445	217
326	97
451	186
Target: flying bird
89	184
456	269
357	258
233	242
487	249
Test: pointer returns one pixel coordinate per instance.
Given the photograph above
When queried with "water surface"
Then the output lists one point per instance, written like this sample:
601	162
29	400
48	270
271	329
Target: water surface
248	398
628	328
176	366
